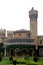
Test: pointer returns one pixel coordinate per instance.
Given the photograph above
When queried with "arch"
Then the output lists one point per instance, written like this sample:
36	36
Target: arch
31	52
24	51
10	52
17	52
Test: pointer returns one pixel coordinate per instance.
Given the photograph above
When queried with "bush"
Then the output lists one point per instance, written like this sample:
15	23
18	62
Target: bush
0	57
11	58
26	57
35	59
14	62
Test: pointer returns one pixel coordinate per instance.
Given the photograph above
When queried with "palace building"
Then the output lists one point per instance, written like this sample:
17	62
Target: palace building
22	42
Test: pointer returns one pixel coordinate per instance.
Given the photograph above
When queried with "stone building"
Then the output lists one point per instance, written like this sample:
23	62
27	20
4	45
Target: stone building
2	38
23	42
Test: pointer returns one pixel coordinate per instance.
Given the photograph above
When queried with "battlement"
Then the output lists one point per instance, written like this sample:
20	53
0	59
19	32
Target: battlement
33	13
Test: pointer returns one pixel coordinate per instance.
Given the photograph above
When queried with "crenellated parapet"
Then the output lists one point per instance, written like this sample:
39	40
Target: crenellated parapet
33	13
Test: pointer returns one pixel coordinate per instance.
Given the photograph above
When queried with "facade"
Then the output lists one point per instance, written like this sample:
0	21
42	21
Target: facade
2	37
23	42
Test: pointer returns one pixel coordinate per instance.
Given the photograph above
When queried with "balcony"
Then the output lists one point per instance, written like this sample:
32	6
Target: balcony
20	42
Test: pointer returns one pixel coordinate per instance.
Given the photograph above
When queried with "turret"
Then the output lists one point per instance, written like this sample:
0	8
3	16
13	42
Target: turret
33	14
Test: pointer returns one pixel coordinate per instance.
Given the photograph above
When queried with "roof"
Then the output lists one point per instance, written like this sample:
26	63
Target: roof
41	36
21	31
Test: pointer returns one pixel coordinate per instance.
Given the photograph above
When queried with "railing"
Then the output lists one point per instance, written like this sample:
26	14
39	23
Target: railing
19	43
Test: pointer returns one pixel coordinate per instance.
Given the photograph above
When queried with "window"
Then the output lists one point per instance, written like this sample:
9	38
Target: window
19	40
19	34
11	41
28	34
27	40
41	51
30	40
40	41
23	40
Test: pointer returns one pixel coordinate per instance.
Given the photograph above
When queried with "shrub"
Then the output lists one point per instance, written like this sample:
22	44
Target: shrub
26	57
35	58
14	62
11	58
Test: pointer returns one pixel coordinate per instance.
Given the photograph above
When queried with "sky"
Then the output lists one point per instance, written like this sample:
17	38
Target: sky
14	14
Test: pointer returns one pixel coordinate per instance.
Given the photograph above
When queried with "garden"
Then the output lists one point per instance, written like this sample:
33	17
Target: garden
21	61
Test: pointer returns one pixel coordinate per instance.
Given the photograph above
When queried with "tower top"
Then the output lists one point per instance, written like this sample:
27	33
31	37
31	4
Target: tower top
33	13
32	9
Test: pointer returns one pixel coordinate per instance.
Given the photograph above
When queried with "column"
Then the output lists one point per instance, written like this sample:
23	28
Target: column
5	51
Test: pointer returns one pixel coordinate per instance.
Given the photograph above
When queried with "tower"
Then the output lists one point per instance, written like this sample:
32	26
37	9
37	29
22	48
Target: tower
33	14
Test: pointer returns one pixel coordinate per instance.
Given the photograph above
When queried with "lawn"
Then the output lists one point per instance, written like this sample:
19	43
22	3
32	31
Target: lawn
6	61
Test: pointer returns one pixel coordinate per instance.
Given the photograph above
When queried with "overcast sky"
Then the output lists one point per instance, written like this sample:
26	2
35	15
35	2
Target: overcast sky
14	14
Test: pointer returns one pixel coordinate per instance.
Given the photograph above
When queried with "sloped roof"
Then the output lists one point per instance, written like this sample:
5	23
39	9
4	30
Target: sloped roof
20	31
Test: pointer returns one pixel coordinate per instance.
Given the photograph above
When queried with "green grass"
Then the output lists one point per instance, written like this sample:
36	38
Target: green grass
6	61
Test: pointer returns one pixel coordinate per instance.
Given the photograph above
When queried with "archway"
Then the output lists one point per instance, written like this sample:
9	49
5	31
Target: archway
24	51
17	52
31	52
11	52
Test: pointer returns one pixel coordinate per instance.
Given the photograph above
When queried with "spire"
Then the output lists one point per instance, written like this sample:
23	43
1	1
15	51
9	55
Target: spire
32	8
